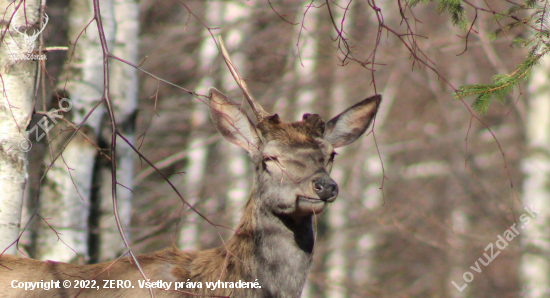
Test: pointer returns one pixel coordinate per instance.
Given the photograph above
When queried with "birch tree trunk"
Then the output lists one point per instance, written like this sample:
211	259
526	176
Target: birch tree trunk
66	192
535	262
18	85
210	186
198	149
194	177
124	92
238	170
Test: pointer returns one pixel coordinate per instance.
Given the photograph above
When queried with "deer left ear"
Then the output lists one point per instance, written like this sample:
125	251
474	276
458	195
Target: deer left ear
232	122
347	127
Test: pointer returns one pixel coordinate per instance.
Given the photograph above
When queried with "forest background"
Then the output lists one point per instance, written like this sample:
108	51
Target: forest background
422	196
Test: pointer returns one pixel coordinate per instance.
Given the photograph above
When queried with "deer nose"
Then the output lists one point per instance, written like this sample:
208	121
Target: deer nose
326	189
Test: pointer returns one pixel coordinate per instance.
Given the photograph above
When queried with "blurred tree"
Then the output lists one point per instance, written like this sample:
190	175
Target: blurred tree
67	185
124	95
535	266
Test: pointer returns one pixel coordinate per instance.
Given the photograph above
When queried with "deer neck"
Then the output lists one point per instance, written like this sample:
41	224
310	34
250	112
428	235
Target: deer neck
276	249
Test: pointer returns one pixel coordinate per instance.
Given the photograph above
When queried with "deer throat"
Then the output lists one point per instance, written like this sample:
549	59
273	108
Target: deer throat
284	250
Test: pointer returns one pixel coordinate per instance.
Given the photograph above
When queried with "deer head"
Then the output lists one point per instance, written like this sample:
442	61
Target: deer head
292	160
30	40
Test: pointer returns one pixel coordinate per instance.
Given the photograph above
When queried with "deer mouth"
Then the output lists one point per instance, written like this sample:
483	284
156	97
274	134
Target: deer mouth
310	200
309	206
315	201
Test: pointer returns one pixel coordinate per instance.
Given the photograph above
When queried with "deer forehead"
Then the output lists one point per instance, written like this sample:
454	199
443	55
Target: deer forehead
313	147
305	131
282	138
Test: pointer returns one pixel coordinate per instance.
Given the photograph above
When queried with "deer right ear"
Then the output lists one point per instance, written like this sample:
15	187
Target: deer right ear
232	122
347	127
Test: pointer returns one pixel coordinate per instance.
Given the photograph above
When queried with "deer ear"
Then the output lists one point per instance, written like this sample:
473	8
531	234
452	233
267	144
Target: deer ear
232	122
345	128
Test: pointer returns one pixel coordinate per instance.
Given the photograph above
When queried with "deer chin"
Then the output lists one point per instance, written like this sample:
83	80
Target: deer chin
309	206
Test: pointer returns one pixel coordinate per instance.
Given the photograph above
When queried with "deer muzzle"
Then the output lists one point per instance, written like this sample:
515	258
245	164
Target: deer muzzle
325	188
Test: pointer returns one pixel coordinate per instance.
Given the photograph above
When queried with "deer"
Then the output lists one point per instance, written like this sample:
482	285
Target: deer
271	250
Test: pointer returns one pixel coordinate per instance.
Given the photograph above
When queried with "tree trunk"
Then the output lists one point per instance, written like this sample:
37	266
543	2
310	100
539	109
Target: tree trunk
124	91
18	75
535	262
198	152
66	192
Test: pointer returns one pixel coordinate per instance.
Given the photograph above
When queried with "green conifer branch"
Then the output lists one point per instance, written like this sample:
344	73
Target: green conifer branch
453	7
503	84
535	18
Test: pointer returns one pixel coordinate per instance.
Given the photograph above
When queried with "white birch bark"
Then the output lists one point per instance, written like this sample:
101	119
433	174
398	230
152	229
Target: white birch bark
239	188
66	193
460	226
16	105
237	192
194	176
535	261
304	69
237	159
124	92
198	149
366	181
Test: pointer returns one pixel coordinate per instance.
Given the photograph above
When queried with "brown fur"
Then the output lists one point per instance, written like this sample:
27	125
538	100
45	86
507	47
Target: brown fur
168	265
292	132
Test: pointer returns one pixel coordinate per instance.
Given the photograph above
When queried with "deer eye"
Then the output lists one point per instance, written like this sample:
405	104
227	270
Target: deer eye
270	158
